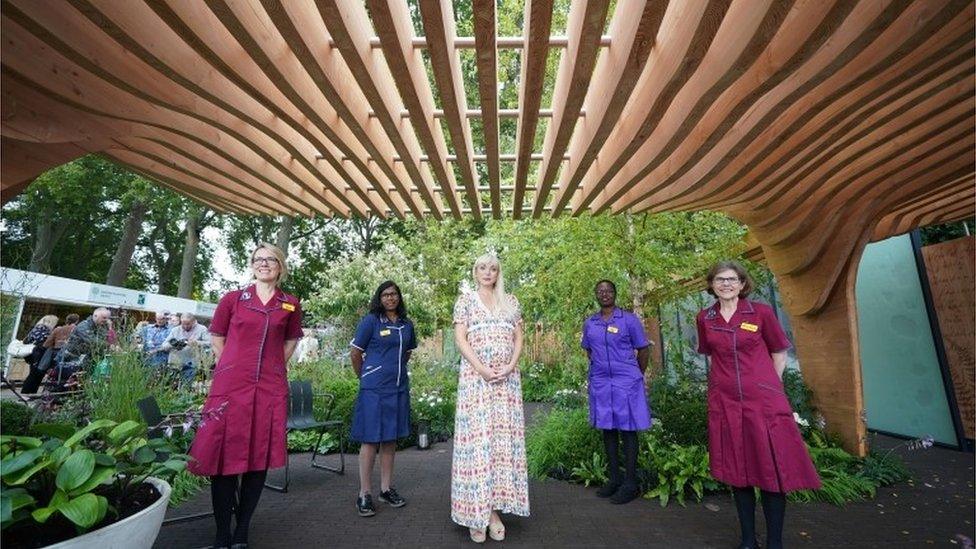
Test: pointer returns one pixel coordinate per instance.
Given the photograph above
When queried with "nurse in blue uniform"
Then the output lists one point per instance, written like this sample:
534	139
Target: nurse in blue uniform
379	353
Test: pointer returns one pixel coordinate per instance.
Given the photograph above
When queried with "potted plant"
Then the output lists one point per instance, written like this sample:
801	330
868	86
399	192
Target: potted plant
103	485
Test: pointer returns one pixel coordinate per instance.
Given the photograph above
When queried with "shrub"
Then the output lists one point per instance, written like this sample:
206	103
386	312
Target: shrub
15	418
681	410
185	485
560	442
304	441
679	469
543	382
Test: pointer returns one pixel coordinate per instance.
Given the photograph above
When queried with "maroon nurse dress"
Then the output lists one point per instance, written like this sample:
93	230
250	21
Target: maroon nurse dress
753	439
244	417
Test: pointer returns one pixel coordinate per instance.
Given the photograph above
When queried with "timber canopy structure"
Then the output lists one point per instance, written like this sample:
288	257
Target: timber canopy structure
822	125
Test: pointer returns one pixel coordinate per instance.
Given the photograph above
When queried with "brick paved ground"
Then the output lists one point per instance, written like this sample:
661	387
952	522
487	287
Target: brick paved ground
319	511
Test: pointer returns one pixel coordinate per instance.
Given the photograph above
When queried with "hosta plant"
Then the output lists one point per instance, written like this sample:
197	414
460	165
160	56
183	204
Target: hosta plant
87	476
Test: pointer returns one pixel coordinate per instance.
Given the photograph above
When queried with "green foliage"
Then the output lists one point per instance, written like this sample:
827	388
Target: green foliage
561	442
79	474
564	383
593	471
433	392
304	441
345	288
184	486
15	418
130	382
680	410
681	470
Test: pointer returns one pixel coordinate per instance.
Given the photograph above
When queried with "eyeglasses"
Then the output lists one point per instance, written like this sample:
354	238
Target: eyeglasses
272	261
730	280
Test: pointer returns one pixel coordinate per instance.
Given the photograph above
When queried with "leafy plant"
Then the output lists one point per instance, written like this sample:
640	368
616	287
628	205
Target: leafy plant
681	411
560	442
680	470
593	471
304	441
15	418
80	475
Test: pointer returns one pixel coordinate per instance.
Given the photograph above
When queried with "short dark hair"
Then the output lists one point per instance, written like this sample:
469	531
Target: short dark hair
71	319
605	281
376	304
730	266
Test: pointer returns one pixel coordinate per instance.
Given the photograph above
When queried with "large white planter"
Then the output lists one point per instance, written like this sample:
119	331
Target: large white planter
136	532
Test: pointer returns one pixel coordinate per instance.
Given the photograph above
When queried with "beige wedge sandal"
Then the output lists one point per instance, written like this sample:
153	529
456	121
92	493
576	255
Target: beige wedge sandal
477	534
496	531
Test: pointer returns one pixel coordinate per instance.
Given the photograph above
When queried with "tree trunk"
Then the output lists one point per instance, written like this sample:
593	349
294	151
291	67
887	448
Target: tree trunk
44	239
284	233
189	256
127	245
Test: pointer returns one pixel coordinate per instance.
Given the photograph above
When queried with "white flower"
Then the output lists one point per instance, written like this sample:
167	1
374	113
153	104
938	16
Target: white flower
168	431
800	421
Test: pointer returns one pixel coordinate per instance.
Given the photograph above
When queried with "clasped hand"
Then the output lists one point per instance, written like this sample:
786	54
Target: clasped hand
496	374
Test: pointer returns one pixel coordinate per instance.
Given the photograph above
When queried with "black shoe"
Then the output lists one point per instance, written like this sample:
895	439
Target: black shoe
608	489
754	545
625	494
364	504
392	497
239	546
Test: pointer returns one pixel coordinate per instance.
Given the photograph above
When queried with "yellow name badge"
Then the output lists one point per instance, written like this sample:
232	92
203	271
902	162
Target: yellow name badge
288	306
749	327
384	332
612	329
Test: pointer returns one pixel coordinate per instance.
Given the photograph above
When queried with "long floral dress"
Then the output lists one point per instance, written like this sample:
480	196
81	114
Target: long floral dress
488	471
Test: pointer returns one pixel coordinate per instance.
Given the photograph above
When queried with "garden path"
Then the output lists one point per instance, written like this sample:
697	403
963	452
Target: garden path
935	510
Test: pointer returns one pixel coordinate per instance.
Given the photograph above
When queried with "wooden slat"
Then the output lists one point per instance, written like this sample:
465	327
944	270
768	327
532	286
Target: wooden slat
438	18
586	21
741	41
853	58
201	188
941	203
687	33
348	25
300	28
105	44
486	58
634	28
218	40
537	23
392	22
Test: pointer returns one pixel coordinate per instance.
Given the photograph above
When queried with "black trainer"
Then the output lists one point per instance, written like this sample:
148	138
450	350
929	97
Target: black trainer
608	489
364	504
625	494
392	497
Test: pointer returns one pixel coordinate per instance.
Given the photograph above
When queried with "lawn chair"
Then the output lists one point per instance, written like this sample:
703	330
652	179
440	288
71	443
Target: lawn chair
153	416
301	418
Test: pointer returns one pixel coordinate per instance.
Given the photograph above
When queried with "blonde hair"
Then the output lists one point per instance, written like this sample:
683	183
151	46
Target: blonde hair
279	255
48	320
503	304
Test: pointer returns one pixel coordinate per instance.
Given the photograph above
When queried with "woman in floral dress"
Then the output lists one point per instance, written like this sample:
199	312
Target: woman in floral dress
488	474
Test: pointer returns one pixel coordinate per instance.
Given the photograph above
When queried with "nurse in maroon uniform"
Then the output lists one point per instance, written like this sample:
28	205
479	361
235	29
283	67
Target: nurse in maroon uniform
242	435
753	440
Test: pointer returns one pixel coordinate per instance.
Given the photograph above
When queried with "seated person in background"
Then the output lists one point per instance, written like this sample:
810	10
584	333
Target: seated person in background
186	342
91	336
153	338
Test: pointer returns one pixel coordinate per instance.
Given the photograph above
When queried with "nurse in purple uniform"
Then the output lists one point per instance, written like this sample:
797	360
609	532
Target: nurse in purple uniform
618	350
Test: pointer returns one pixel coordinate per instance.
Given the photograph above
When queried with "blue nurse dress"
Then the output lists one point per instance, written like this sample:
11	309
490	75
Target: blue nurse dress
382	410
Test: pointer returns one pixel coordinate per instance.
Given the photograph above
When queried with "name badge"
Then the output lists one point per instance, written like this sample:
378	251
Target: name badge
612	329
288	306
384	332
749	327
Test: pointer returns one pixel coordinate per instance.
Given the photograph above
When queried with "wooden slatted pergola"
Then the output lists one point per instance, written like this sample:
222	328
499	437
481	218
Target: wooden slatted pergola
820	124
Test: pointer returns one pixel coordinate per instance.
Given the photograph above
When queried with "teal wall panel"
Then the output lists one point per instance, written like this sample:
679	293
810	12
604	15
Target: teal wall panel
903	388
